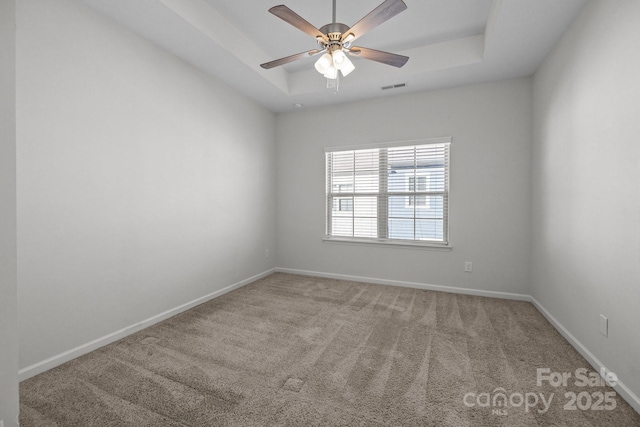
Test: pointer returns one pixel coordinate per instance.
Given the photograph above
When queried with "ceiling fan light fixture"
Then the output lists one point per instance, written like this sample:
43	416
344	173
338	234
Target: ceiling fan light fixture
346	67
323	63
339	58
331	73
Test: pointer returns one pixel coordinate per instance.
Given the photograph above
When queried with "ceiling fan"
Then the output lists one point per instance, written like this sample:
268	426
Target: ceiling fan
336	39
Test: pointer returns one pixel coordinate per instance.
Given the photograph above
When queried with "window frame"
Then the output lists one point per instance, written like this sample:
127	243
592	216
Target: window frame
427	244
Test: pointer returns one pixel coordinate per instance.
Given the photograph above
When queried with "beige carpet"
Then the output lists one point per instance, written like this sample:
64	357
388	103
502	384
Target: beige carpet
301	351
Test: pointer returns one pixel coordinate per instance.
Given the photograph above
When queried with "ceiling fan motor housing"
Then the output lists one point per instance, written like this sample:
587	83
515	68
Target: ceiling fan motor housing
334	33
335	27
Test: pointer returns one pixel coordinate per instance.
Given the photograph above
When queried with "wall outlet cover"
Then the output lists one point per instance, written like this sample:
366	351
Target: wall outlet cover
604	325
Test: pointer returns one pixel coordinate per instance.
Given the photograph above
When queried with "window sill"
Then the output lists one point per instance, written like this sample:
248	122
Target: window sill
389	243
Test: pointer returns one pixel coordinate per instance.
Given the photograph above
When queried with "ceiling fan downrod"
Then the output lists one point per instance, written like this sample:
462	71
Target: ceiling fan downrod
334	12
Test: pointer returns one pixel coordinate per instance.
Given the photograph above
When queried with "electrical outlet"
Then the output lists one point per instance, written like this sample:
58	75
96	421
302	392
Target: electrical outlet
266	255
468	266
604	325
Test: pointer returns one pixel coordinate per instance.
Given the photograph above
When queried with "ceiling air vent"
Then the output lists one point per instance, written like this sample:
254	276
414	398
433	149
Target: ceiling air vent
396	86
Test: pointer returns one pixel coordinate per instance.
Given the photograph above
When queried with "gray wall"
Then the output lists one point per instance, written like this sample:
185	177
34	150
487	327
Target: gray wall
490	185
143	183
8	269
586	184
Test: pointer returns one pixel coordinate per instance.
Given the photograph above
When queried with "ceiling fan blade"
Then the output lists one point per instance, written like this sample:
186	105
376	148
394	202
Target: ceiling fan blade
387	10
288	15
379	56
287	59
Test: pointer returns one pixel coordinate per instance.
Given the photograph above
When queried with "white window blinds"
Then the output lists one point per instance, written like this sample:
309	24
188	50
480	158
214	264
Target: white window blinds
389	192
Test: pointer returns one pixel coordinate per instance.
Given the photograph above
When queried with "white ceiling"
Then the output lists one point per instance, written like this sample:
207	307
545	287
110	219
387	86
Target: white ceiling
449	42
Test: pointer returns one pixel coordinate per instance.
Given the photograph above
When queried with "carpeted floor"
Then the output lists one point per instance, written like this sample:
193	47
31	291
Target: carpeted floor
301	351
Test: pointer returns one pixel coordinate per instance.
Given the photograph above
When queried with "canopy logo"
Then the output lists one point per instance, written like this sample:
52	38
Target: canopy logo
499	401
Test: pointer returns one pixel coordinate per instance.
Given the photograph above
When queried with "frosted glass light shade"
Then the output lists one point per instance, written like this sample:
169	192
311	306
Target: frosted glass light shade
338	58
323	63
329	64
346	67
331	72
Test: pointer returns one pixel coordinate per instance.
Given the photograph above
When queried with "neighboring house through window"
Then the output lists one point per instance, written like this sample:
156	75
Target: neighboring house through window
345	205
422	182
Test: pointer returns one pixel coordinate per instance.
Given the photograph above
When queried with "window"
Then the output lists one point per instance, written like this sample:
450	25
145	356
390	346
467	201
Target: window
343	188
345	205
390	193
420	201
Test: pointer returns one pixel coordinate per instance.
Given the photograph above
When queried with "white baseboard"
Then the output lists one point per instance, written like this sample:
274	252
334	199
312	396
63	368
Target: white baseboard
620	388
465	291
52	362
